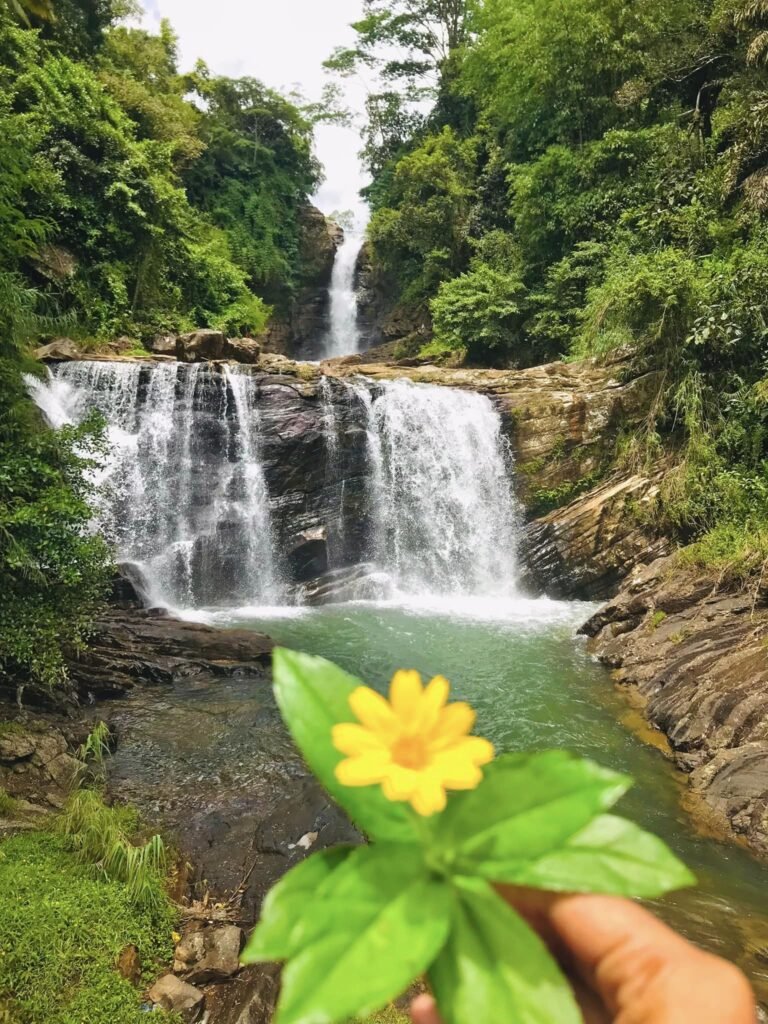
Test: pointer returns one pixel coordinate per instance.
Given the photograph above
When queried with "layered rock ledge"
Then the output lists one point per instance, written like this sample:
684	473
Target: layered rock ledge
695	656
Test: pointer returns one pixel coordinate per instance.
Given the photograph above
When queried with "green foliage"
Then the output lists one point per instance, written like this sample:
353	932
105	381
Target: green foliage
62	929
253	176
419	897
101	837
144	208
7	804
55	571
421	237
410	45
483	310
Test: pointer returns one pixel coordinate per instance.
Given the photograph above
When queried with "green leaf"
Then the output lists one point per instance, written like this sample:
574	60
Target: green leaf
610	855
494	968
376	924
274	937
313	695
526	806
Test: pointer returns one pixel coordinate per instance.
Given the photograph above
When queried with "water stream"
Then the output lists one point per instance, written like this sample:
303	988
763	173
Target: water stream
343	336
190	496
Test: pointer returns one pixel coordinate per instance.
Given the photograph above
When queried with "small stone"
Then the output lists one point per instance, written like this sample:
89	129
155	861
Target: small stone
221	957
171	993
189	951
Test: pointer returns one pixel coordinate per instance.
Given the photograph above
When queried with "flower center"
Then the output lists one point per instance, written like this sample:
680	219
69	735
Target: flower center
410	752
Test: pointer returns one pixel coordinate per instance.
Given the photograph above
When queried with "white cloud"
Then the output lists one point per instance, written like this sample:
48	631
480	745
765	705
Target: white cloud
283	43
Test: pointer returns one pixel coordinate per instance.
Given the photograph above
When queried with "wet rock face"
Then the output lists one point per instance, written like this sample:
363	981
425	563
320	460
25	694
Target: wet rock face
297	330
696	656
587	548
316	472
132	647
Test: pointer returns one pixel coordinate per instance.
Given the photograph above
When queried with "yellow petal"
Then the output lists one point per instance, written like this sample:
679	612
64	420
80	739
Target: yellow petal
432	702
405	692
454	721
365	770
353	739
398	782
457	771
473	748
429	796
373	711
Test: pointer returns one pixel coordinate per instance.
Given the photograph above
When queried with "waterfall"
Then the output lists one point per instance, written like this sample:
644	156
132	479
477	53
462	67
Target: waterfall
182	494
343	338
445	520
412	478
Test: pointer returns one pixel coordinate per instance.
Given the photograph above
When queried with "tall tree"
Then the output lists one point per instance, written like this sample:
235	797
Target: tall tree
409	47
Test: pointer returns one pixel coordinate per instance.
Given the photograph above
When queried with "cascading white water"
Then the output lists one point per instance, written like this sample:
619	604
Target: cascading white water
445	518
183	493
343	337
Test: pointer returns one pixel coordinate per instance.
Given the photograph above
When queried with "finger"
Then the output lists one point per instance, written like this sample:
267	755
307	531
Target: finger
424	1010
643	970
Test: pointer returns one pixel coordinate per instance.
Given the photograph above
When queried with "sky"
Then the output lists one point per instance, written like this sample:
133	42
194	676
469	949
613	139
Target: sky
283	43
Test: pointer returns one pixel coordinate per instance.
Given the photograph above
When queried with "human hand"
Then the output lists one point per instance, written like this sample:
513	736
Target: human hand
626	967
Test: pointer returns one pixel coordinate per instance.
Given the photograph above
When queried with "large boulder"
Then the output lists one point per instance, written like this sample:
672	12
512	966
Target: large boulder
352	583
243	350
60	350
200	346
163	345
36	765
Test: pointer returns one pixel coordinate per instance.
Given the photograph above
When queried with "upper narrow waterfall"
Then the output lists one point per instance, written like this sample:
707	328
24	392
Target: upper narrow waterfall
183	493
343	337
445	518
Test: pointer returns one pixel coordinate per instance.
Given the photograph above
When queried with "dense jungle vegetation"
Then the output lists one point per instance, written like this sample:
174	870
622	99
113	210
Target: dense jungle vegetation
133	199
569	178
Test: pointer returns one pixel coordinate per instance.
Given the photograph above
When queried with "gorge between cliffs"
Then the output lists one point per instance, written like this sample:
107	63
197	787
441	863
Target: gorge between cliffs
385	515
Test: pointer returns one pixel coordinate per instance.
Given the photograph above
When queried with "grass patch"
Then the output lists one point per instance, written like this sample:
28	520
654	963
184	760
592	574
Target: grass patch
7	804
656	619
12	729
101	837
738	551
543	500
61	930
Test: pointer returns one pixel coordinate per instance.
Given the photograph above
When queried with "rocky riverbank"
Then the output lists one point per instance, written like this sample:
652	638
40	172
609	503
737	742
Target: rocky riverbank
694	655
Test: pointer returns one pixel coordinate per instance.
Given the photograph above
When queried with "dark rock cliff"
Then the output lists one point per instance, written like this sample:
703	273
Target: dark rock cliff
296	332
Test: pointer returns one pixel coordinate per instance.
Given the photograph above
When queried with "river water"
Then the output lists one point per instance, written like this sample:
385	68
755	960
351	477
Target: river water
534	686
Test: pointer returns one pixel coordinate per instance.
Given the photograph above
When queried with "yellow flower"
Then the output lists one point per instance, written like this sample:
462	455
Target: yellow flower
414	744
